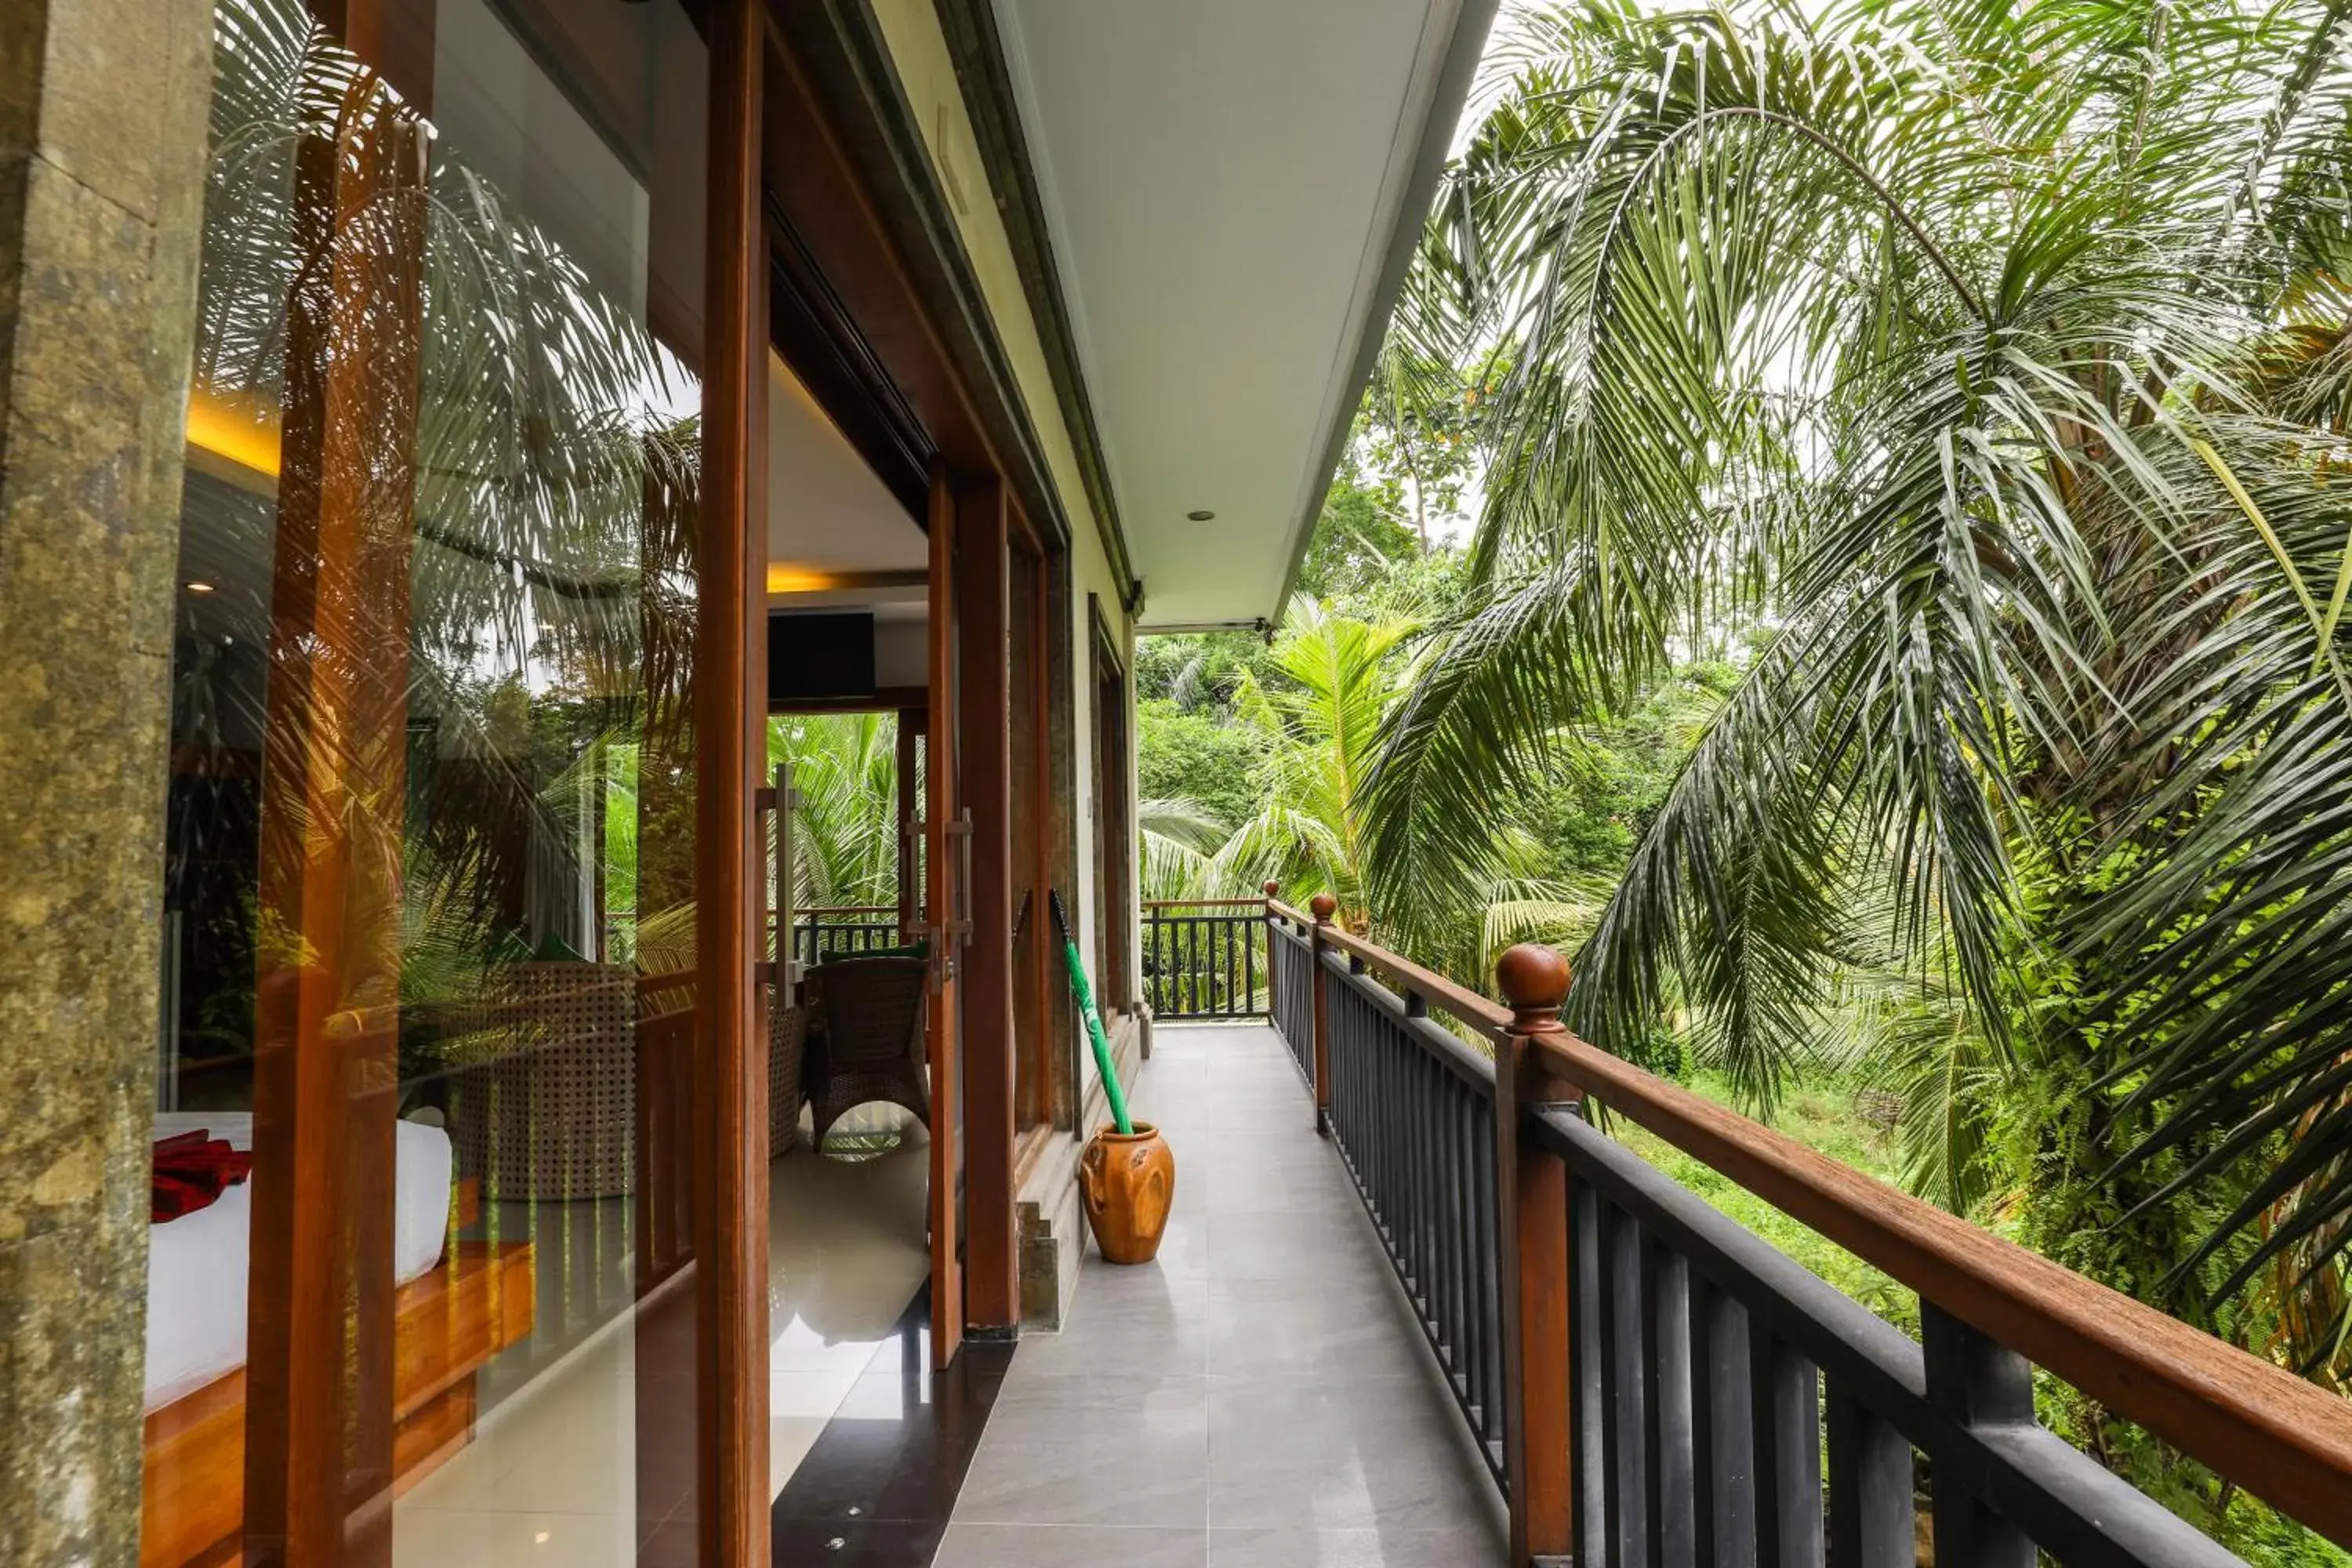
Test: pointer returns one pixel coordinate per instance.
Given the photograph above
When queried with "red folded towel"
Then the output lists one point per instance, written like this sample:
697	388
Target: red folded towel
192	1171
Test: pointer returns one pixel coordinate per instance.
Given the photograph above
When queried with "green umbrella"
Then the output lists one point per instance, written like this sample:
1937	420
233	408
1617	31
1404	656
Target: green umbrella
1086	995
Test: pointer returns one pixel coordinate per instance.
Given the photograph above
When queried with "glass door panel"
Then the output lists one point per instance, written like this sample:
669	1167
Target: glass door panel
421	1287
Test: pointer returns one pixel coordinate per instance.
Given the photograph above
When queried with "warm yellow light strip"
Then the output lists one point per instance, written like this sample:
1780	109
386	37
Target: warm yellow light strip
785	579
239	435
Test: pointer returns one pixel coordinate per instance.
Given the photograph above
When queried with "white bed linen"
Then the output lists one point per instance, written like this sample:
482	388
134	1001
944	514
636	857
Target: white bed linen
196	1265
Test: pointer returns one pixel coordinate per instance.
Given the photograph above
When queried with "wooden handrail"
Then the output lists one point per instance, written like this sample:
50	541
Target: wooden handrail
1488	1017
2284	1439
1203	903
809	911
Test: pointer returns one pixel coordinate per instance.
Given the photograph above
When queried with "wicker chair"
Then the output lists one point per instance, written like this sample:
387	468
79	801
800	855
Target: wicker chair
787	1042
549	1109
866	1037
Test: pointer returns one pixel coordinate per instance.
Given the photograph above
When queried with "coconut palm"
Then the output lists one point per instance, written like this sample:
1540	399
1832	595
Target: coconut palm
1331	682
1179	838
1990	360
846	841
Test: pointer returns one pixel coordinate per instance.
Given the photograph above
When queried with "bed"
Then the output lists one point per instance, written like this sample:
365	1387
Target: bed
454	1306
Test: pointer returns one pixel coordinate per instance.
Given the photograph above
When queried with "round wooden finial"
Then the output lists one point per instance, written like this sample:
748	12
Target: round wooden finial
1321	905
1534	978
1271	886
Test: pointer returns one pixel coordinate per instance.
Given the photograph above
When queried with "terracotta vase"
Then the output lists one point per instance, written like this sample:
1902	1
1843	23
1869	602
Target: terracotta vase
1127	1181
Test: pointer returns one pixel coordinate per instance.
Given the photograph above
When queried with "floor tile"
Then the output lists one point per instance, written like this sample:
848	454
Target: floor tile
1082	1451
853	1543
1314	1453
790	1438
1070	1546
575	1439
1357	1548
1339	1249
451	1539
1302	1327
899	1447
814	1394
1154	1327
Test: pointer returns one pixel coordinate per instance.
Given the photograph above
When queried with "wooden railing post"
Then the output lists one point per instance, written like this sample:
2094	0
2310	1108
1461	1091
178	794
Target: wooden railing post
1532	1253
1272	980
1321	907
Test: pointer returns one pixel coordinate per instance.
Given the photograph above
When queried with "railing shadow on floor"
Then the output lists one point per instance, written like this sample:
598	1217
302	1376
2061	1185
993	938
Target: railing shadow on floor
1652	1384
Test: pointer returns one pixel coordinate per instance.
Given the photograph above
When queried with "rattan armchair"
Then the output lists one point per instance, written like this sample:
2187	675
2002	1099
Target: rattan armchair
866	1043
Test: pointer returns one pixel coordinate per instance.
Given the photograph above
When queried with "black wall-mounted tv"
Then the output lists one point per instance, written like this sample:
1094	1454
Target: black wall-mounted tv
816	655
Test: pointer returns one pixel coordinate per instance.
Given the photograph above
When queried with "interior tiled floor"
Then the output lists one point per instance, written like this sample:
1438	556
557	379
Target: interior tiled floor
553	1475
1259	1396
877	1488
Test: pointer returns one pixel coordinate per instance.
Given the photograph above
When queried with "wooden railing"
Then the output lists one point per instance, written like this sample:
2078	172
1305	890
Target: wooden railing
1657	1388
1204	958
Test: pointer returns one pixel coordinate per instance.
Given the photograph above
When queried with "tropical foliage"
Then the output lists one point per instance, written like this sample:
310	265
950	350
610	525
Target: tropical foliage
845	767
1311	710
1988	362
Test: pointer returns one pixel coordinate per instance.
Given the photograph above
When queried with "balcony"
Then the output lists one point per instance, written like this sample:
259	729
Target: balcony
1355	1347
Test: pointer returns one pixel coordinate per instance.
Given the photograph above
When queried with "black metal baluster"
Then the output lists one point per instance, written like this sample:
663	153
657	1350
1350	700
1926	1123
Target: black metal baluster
1193	963
1490	1311
1722	1434
1233	967
1978	1380
1417	1258
1666	1408
1432	1185
1383	1141
1457	1209
1588	1405
1249	968
1870	1522
1785	1395
1625	1487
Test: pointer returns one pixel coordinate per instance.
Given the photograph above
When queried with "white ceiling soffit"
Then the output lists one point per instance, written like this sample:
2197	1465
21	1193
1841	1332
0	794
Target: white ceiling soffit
827	513
1231	189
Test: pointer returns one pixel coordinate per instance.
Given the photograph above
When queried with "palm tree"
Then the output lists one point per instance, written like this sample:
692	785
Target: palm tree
1990	360
846	841
1179	839
1334	681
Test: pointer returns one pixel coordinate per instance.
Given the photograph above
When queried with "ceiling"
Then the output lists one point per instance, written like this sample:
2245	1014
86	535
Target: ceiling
1230	189
828	515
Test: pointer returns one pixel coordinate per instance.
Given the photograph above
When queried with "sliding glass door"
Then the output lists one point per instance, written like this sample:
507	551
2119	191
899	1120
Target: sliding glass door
422	1286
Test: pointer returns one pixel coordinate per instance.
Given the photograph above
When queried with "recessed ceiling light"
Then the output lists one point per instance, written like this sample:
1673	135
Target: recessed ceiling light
1203	515
200	588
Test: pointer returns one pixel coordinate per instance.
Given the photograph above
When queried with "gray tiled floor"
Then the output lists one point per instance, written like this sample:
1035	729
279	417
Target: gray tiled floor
1259	1397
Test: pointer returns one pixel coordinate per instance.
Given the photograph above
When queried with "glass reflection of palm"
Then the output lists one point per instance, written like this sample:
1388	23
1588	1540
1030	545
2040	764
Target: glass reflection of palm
475	588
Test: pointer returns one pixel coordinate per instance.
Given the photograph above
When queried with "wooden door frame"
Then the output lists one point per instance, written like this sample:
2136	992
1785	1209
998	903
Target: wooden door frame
730	756
943	891
984	708
1114	873
318	1445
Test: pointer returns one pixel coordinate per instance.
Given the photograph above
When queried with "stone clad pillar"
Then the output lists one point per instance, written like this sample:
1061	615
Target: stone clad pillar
102	153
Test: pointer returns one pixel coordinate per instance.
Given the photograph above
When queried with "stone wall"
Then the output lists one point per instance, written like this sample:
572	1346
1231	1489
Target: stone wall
102	111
